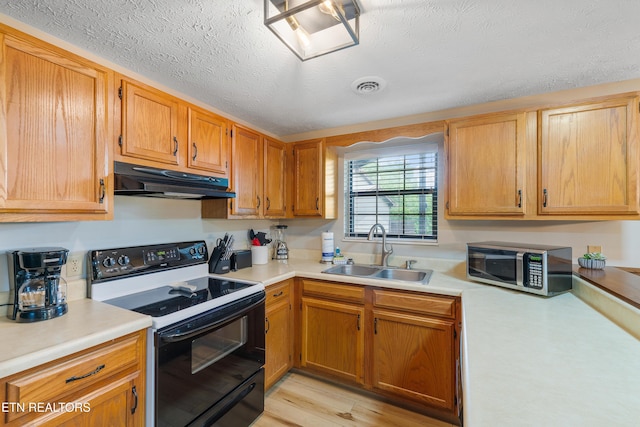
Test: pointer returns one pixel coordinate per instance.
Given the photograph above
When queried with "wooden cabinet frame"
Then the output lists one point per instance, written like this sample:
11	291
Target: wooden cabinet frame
358	311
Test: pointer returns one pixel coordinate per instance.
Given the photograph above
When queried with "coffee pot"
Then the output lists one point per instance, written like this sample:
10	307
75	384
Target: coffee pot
36	289
280	250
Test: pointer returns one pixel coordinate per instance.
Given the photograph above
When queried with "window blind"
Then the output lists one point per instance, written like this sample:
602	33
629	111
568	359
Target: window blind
396	188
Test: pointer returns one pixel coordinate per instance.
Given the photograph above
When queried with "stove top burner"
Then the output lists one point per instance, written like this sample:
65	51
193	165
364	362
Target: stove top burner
170	299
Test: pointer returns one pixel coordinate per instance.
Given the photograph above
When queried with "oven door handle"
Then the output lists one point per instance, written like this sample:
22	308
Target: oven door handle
192	333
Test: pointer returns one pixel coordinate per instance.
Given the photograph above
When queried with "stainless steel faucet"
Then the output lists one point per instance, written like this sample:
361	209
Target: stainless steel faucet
385	251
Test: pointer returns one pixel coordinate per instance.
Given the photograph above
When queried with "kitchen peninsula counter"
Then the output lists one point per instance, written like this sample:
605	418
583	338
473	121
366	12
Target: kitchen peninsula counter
526	360
86	324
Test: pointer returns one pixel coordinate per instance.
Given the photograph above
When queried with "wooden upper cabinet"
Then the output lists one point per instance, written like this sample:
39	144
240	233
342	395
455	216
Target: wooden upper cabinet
275	160
54	133
258	177
307	181
149	124
589	158
486	165
207	142
314	182
246	152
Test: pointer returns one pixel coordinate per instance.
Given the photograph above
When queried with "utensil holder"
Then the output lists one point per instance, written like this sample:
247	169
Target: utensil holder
259	254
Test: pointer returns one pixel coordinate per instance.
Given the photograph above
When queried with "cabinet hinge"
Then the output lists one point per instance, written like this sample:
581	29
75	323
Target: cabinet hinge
301	357
447	131
120	140
231	133
120	92
447	205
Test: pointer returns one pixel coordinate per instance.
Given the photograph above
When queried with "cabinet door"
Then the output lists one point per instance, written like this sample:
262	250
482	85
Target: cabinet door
246	152
333	338
54	133
279	333
207	143
308	178
274	178
486	163
413	357
149	124
117	404
589	158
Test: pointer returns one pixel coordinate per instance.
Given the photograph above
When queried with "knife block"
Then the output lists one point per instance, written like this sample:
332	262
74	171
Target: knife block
218	265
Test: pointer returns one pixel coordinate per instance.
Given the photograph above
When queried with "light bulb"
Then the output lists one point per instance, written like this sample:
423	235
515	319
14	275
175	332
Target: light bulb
301	34
328	7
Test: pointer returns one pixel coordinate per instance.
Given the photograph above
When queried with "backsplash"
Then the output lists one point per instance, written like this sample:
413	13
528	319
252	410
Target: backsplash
137	221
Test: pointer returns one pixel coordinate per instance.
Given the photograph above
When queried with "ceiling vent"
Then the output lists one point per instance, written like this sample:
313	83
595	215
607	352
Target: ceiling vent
368	85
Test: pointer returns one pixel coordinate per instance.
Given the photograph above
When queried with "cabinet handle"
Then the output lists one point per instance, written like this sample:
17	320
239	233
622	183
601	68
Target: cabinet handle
135	400
375	326
95	371
102	191
268	203
317	203
278	294
544	198
519	198
258	202
195	151
175	146
266	319
358	325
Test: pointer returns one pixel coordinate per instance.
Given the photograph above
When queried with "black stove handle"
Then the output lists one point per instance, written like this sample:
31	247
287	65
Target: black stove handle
181	336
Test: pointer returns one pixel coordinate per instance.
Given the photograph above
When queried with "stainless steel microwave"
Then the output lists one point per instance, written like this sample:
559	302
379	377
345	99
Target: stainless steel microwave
538	269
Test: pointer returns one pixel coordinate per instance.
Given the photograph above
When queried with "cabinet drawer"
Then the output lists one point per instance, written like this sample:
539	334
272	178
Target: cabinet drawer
351	293
278	292
426	304
71	375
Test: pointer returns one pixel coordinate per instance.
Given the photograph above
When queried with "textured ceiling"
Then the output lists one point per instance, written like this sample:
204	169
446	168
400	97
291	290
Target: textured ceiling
433	54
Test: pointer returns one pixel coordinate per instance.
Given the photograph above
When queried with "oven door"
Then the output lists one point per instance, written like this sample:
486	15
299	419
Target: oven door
209	368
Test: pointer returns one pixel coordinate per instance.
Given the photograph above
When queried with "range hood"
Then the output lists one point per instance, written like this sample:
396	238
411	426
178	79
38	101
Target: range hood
133	180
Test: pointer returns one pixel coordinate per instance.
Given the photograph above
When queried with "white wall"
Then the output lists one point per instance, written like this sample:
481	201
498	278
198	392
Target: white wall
620	240
137	221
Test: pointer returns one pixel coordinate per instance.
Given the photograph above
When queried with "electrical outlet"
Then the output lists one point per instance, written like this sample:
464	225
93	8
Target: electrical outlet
74	265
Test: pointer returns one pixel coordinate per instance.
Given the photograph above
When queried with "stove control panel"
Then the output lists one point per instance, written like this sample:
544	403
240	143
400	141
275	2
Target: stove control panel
118	263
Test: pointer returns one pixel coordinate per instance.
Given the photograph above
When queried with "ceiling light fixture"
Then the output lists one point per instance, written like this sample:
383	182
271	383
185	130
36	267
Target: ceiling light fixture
311	28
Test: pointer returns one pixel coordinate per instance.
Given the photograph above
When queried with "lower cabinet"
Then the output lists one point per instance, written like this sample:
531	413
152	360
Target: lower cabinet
333	338
279	332
414	350
103	385
400	344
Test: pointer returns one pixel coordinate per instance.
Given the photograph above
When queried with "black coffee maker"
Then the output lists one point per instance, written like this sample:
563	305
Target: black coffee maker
36	289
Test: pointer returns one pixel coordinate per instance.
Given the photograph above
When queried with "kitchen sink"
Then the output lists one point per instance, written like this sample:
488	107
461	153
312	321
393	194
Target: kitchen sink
378	272
421	276
353	270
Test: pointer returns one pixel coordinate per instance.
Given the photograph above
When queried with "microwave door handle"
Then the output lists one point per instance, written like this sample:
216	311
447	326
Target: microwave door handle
520	269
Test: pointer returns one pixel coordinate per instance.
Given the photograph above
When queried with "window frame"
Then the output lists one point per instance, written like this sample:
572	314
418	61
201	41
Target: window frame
351	196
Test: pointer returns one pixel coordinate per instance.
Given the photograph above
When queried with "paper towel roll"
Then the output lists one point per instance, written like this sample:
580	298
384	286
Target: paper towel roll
327	246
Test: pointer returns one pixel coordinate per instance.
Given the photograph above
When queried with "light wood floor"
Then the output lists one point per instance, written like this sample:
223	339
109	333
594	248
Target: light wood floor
301	401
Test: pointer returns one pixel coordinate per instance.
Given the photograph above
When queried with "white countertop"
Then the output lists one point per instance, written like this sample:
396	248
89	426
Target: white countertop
87	323
526	360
